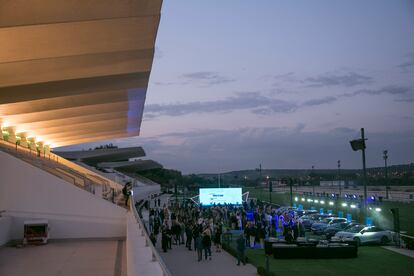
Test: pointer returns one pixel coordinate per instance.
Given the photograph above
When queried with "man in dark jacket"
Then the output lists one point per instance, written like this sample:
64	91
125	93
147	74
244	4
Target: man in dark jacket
241	247
189	234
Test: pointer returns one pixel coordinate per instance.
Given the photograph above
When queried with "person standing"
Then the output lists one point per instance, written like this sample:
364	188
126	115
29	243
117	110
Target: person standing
217	237
198	245
207	242
241	247
164	238
189	234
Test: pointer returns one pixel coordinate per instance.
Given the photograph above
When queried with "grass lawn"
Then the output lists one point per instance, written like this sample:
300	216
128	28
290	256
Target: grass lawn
372	260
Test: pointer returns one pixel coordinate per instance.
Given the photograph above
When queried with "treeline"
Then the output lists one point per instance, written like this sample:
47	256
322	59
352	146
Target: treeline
168	178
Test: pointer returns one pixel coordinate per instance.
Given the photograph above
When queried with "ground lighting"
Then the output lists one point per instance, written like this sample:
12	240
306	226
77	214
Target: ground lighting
310	200
303	199
344	204
353	206
322	202
316	201
331	203
378	209
296	199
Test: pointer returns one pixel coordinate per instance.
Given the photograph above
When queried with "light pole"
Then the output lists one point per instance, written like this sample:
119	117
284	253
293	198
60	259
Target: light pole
339	177
270	189
359	144
387	187
313	181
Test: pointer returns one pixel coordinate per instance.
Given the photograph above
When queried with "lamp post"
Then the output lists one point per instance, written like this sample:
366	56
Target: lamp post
270	189
313	181
387	187
359	144
339	178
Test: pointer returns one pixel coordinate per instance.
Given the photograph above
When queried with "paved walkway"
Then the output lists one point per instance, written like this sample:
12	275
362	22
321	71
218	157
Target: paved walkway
103	258
402	251
182	262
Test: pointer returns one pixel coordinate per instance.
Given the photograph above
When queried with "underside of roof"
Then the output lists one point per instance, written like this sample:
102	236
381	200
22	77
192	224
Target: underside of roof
75	71
137	165
104	155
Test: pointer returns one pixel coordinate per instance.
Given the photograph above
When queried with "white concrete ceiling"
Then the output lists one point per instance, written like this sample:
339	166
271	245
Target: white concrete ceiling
75	71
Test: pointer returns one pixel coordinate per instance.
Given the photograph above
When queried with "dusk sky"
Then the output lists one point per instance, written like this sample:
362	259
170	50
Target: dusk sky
282	83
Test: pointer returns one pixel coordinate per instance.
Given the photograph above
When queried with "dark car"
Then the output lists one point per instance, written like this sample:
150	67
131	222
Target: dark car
311	219
318	228
334	228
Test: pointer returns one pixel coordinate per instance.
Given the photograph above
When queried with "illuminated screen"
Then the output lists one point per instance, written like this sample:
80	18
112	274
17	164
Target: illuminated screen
220	196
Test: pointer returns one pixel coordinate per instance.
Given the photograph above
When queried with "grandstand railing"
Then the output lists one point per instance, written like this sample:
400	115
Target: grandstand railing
155	256
66	170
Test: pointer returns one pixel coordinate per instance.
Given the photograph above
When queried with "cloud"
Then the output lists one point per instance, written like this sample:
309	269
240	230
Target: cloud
405	100
207	78
347	80
213	150
407	66
320	101
404	93
202	78
254	101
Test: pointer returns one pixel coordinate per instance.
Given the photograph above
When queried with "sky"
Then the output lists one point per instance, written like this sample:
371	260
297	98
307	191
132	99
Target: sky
285	84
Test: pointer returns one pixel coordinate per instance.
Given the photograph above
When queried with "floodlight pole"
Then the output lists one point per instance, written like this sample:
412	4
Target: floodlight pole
313	181
339	178
387	187
270	189
365	173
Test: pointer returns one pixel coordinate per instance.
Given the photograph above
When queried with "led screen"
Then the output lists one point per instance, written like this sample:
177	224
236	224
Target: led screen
220	196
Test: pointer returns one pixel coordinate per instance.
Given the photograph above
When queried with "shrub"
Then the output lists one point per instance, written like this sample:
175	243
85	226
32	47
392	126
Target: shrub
262	272
409	242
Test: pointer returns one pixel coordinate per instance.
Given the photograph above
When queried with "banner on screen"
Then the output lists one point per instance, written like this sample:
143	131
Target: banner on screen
220	196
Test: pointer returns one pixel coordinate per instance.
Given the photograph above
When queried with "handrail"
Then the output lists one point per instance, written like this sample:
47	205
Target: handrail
60	160
148	242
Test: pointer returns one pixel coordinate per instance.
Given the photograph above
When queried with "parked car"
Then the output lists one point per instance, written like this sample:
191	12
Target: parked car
301	213
334	228
319	227
361	234
311	219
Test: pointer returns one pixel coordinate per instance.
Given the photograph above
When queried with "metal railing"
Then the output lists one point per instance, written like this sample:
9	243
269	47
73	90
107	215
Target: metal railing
155	256
64	169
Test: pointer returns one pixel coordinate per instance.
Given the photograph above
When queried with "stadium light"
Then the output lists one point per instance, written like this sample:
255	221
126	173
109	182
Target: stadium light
303	199
344	204
316	201
331	203
322	202
378	209
296	198
353	206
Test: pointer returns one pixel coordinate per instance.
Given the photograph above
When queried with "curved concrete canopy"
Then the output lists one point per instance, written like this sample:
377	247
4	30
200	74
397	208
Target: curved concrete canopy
102	155
75	71
137	165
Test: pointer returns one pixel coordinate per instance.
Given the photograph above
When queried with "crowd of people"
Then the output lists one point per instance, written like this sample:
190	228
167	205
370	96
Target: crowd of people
198	227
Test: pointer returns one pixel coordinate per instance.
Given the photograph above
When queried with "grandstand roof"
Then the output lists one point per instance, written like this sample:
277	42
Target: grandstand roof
75	71
102	155
137	165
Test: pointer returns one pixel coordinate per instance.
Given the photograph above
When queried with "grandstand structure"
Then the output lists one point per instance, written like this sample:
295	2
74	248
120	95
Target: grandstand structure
73	72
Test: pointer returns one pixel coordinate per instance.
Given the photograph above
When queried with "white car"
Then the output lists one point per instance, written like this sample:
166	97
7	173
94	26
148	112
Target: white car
361	234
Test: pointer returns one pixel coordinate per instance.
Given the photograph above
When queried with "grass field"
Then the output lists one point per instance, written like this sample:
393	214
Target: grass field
383	218
372	260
